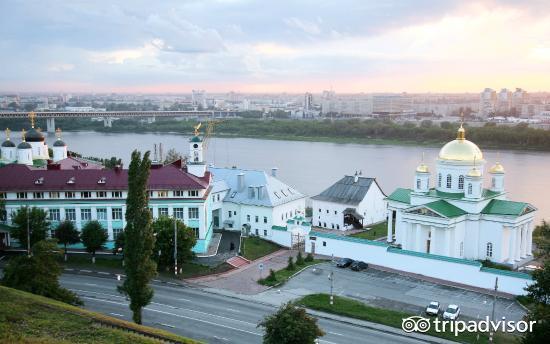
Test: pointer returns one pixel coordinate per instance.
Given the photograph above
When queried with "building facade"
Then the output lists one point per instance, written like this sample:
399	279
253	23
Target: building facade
458	217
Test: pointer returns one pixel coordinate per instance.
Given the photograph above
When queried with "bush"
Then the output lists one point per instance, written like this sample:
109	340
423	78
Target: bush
300	259
290	265
309	258
271	277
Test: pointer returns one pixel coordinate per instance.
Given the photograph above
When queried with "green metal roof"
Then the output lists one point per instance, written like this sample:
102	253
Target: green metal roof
507	273
434	256
445	208
401	195
502	207
279	228
440	194
347	238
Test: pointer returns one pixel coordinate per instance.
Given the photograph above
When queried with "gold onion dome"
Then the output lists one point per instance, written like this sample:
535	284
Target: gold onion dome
461	149
497	168
422	168
474	172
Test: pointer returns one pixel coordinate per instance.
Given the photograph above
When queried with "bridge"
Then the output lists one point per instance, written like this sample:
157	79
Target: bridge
109	116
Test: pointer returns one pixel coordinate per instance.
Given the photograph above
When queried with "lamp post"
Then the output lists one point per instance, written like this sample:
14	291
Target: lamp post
494	303
175	247
331	278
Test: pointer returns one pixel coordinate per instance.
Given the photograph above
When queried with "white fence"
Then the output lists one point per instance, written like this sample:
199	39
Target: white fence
456	270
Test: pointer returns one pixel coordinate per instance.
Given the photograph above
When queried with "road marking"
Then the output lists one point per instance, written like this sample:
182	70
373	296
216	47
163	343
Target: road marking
233	310
68	269
117	315
157	281
221	338
166	325
326	341
91	284
160	304
181	299
172	283
93	292
337	334
85	270
103	273
510	305
181	316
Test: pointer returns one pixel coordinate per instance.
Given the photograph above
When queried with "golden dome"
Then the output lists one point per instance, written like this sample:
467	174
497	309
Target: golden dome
422	168
461	149
497	168
474	172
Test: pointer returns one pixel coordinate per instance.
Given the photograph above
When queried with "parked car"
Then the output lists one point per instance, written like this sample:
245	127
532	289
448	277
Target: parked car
452	312
344	262
358	265
433	308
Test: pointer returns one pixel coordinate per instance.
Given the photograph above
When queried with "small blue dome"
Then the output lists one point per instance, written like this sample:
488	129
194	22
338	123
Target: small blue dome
8	143
24	145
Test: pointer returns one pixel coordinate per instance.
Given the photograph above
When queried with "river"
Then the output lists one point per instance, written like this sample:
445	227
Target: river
312	166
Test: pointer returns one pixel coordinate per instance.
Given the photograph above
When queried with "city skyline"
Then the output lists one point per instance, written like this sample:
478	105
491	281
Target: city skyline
245	46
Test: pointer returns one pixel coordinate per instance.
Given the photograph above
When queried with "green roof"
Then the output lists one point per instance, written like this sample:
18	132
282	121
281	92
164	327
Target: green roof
195	139
279	228
434	256
435	193
401	195
502	207
347	238
507	273
445	208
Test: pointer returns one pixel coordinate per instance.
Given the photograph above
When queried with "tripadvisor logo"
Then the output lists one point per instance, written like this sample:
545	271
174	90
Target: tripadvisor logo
420	324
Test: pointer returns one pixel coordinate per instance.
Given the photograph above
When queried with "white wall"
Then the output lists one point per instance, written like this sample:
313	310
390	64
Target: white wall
454	270
373	206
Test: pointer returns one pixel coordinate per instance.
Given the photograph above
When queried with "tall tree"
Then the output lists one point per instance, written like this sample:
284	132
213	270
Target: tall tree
66	234
39	274
539	292
290	325
93	237
139	239
38	225
163	254
541	236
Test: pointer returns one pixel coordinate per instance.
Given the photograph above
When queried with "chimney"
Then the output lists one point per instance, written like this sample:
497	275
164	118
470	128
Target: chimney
240	182
356	177
274	172
261	192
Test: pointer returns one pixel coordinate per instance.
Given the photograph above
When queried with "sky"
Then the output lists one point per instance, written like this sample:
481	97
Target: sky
349	46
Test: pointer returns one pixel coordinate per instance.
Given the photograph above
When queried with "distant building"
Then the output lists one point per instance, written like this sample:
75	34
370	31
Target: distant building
504	101
391	103
198	98
351	202
519	97
487	102
308	102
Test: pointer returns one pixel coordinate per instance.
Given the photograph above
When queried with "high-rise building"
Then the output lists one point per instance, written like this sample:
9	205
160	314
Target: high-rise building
487	102
519	97
504	101
308	101
198	98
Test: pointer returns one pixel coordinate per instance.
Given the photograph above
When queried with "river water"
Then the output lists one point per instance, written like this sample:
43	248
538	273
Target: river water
312	166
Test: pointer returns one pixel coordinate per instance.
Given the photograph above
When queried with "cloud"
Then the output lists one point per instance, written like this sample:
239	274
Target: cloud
62	67
306	26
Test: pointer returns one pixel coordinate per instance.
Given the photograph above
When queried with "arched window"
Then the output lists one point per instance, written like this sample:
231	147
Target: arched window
461	248
418	183
469	188
489	252
439	178
449	181
461	182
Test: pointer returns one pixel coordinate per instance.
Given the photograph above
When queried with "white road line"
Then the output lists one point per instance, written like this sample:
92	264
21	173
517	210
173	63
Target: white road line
103	273
163	305
93	292
326	341
166	325
67	269
233	310
117	315
157	281
91	284
336	334
182	316
181	299
85	270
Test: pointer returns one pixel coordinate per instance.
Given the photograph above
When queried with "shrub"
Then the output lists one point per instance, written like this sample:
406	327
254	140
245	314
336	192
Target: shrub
300	259
290	265
271	277
309	257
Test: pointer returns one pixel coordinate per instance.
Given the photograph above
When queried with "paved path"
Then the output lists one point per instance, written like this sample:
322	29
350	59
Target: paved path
244	280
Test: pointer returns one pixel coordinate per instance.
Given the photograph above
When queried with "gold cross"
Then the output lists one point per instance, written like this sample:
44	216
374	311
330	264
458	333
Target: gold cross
8	131
32	116
23	134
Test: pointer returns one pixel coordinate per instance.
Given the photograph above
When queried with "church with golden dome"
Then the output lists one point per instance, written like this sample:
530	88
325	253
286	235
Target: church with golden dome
452	213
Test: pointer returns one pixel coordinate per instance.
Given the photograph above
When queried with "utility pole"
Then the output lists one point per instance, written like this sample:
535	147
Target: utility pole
494	303
175	247
331	278
28	234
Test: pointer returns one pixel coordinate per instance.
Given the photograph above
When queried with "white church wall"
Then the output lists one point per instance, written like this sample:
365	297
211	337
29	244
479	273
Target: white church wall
373	206
283	238
281	213
330	214
456	270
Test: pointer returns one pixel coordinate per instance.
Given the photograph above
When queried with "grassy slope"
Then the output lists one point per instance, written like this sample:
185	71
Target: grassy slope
356	309
30	318
254	248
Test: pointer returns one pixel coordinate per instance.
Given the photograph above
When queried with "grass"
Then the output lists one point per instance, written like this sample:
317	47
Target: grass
376	231
113	263
525	300
283	275
489	264
28	318
356	309
254	248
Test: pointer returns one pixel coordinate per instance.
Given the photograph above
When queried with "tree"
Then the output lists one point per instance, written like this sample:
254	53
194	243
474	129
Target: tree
38	225
163	229
2	210
290	325
39	274
139	240
66	234
541	236
290	265
539	292
112	162
172	156
93	237
300	259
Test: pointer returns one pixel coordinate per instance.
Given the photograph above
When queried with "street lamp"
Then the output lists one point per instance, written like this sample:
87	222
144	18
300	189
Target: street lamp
331	279
175	247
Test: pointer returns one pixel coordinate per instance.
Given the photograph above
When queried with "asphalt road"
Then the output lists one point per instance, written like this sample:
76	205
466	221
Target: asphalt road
208	317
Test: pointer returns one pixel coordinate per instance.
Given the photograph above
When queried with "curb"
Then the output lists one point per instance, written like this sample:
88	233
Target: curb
290	277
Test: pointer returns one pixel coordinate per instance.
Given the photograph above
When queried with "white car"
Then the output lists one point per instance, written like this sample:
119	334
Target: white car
433	308
451	313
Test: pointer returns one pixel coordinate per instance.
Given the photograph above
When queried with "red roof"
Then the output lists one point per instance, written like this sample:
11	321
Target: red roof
16	177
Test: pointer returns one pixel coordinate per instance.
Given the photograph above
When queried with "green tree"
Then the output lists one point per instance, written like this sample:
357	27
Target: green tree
290	325
2	210
163	229
38	225
139	240
112	162
290	265
172	156
39	274
93	237
539	292
300	259
66	234
541	236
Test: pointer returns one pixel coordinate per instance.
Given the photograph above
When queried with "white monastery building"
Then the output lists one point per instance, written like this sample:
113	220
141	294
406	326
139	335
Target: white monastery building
458	217
352	202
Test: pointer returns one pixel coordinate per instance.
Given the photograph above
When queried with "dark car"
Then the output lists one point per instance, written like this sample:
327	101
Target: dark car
358	265
344	262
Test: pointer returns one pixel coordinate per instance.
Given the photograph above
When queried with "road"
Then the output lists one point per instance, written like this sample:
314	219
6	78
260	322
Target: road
208	317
